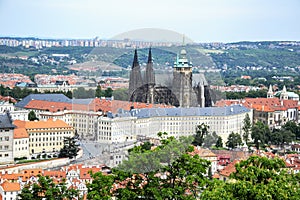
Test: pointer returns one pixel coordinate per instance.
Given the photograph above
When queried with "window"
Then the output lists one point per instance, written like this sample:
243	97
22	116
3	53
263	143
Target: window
6	138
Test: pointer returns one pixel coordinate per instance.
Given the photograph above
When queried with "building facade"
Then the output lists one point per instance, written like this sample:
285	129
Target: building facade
6	138
129	126
46	136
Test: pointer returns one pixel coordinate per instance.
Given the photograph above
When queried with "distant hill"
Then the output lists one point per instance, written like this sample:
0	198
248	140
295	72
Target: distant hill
153	35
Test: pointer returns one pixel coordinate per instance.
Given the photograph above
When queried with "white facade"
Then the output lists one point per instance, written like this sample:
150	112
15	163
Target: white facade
148	122
21	148
6	106
9	191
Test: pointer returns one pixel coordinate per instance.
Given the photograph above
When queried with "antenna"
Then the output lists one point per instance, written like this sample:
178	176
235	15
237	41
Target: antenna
183	39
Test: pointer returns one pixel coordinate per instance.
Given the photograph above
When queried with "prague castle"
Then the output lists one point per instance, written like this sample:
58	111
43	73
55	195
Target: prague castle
182	93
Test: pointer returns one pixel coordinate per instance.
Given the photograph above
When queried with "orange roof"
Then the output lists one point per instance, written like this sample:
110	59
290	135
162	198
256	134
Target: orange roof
32	172
10	186
261	104
84	172
230	168
13	176
56	174
202	152
50	123
20	133
96	104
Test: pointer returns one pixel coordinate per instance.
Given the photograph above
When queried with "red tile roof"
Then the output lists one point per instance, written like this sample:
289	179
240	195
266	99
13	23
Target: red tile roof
96	104
10	186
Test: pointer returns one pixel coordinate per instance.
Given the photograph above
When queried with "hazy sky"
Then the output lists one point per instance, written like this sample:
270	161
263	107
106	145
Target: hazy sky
201	20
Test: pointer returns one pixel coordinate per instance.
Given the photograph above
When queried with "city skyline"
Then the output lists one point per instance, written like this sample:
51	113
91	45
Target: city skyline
202	21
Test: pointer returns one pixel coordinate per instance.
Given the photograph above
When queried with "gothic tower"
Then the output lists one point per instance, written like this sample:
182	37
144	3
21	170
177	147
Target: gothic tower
182	80
135	77
150	78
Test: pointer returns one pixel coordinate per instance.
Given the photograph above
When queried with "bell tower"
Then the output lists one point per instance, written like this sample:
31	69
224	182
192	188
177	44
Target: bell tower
182	80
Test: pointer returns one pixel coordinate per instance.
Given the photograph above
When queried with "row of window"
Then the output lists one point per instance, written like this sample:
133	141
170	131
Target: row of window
6	138
46	144
6	147
51	133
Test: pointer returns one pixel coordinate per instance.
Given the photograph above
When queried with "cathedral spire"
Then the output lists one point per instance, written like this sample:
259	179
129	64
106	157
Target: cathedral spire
135	80
150	56
135	62
149	76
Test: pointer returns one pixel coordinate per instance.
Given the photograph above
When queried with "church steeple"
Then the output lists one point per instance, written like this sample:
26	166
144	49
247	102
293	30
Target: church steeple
270	93
149	76
135	77
135	62
284	94
150	56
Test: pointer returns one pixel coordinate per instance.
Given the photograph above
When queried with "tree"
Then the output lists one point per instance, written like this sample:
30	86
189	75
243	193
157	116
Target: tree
246	128
256	178
108	92
201	132
260	133
121	94
293	127
219	143
210	139
101	186
180	176
281	136
45	188
69	94
234	140
32	116
70	148
99	92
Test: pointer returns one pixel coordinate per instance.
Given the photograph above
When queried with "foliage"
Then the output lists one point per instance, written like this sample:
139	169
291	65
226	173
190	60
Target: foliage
210	139
101	186
256	178
32	116
219	143
99	92
260	133
81	93
246	128
141	148
121	94
281	136
45	188
70	148
293	127
234	140
201	132
175	173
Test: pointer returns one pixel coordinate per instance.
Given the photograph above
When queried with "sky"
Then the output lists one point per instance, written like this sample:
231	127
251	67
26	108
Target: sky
200	20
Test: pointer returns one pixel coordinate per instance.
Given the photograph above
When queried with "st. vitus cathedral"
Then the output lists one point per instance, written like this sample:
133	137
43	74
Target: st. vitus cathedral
182	93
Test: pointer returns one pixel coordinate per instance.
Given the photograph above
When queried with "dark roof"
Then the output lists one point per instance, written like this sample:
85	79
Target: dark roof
5	121
43	97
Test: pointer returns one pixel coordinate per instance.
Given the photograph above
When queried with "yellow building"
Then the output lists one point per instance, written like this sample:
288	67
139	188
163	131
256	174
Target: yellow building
46	136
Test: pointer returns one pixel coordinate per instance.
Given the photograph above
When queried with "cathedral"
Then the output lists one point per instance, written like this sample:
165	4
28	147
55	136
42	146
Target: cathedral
182	93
